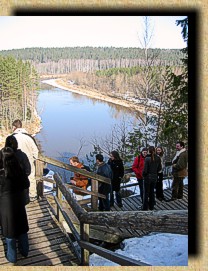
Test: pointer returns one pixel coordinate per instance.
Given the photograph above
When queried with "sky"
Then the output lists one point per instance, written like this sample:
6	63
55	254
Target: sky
18	32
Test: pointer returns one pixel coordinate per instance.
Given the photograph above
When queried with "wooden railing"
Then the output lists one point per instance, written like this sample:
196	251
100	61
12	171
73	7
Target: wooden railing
170	221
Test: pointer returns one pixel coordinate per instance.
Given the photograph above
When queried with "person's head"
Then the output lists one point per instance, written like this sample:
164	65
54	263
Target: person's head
74	161
179	145
151	151
11	142
16	124
114	155
99	158
144	152
10	163
159	151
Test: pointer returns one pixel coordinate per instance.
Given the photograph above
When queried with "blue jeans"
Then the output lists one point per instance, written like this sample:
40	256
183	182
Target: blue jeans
23	246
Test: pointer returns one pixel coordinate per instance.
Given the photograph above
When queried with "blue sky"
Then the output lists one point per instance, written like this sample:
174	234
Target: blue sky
104	31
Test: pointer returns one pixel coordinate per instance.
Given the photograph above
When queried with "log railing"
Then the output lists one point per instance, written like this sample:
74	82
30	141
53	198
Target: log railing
170	221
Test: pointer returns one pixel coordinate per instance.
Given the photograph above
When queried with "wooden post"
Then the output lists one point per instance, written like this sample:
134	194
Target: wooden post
94	199
39	165
60	199
84	233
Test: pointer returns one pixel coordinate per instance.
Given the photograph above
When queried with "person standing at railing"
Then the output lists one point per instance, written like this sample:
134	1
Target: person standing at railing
27	144
78	180
104	188
138	167
179	167
152	166
159	185
13	216
117	168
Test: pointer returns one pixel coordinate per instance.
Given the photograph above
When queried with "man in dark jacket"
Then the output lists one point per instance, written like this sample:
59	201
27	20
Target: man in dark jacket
104	188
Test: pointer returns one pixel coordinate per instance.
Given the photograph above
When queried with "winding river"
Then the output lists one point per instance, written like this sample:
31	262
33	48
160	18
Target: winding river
70	121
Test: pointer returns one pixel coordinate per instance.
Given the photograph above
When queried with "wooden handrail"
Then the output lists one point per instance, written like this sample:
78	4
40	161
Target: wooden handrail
74	169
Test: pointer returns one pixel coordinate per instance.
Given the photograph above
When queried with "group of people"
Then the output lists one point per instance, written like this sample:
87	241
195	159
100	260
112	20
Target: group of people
17	189
18	184
113	169
148	167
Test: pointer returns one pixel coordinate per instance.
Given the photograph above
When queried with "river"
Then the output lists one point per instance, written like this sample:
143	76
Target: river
70	121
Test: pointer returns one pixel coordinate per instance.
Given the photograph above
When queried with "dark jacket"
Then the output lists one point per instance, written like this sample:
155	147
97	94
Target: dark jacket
180	165
13	217
118	173
24	161
105	171
151	168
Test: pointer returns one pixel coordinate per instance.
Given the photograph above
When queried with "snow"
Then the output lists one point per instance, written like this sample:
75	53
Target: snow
156	249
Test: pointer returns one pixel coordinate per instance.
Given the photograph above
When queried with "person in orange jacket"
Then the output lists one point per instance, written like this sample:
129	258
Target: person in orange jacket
138	167
78	179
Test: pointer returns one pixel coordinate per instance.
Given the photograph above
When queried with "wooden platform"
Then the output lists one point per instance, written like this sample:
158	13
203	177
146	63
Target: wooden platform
132	203
48	244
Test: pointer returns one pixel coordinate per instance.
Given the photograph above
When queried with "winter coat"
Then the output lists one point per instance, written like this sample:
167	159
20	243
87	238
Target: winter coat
151	168
81	180
138	166
118	173
105	171
26	144
180	165
24	161
13	217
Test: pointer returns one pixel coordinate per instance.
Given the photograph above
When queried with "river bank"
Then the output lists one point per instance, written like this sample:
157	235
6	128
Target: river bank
32	128
63	84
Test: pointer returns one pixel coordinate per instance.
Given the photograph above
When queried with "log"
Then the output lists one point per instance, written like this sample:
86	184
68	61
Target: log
170	221
69	198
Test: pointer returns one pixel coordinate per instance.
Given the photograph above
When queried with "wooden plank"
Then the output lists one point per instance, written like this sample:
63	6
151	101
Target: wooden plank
87	192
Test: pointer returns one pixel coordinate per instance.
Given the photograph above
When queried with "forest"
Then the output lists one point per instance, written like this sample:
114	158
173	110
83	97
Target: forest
126	73
18	84
90	59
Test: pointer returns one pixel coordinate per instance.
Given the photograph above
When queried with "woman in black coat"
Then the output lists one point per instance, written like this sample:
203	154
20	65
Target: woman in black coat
152	166
117	167
13	217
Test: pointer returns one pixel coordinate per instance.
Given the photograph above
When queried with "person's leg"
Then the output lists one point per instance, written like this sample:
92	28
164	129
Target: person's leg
180	188
118	199
146	194
11	254
100	206
33	185
175	188
23	244
111	198
159	187
141	188
152	194
106	203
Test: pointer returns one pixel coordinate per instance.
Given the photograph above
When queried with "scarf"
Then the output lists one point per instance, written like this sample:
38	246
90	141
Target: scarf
178	154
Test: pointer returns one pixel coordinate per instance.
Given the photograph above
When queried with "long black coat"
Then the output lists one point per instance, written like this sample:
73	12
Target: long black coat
13	217
118	173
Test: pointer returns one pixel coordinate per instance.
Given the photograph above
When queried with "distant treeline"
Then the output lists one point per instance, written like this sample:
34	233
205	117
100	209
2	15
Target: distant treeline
89	59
